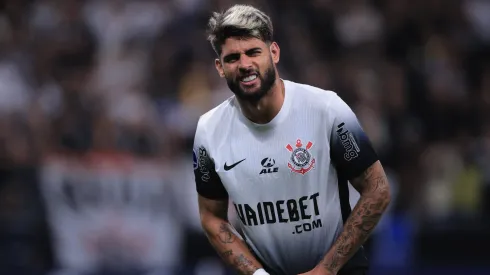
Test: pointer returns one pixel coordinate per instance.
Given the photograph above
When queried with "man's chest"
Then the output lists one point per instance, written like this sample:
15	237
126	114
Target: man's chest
268	162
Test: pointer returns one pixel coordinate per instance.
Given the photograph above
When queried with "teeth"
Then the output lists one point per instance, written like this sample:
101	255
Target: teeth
249	78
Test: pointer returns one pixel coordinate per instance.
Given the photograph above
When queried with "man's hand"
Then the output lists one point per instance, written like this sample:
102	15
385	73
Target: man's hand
318	270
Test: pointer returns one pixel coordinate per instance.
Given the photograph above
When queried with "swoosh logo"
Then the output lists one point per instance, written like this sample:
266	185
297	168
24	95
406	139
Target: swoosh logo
233	165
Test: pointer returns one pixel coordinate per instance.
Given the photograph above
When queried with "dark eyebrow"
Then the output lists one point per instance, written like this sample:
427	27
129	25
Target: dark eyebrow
236	55
231	56
253	50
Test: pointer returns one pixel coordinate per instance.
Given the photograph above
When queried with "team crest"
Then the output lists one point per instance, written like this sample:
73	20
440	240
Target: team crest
301	161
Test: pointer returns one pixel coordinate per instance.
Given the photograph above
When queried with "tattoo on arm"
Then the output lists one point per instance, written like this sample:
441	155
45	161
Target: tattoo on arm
226	254
225	234
241	262
245	265
375	197
223	237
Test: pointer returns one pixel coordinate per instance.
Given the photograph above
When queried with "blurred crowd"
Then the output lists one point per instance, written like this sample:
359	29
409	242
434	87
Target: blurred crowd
99	101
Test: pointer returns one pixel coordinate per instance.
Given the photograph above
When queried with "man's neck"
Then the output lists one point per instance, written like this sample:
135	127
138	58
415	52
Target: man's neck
264	110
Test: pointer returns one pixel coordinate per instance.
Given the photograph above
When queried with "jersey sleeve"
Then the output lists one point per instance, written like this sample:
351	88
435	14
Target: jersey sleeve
351	150
208	183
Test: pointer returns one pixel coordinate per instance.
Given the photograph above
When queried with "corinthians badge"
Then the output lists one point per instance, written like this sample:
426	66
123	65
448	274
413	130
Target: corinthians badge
301	161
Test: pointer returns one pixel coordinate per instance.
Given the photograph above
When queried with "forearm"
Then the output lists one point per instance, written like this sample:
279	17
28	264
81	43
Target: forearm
362	221
232	249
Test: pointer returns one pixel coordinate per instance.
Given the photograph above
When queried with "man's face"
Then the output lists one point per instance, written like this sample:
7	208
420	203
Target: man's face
248	65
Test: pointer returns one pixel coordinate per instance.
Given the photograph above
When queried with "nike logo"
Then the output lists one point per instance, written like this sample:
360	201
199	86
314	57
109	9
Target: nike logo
233	165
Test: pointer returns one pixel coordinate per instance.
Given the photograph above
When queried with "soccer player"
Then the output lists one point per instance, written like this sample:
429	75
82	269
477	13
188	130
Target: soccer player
283	153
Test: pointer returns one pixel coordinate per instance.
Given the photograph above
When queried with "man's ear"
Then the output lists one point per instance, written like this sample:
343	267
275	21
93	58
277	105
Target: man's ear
275	52
219	67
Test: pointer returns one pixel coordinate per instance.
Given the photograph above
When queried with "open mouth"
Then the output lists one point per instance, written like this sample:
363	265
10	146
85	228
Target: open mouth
249	79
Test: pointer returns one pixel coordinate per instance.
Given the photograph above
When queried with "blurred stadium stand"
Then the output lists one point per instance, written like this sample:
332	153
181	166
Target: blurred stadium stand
99	100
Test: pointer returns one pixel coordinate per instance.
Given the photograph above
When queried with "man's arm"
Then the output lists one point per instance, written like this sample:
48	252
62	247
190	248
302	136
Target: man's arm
234	251
213	209
373	186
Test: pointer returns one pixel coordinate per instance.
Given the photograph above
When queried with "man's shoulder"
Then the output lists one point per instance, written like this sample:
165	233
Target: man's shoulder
312	95
214	117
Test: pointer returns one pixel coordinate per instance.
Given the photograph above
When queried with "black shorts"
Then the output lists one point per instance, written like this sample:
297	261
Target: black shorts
357	265
357	271
344	271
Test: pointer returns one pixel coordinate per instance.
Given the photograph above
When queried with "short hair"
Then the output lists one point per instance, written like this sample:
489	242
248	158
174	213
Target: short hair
238	21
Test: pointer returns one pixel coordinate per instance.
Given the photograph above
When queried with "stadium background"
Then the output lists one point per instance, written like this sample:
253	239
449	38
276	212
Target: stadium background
99	100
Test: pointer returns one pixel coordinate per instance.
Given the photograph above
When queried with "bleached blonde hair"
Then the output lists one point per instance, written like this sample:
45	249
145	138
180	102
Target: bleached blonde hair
238	21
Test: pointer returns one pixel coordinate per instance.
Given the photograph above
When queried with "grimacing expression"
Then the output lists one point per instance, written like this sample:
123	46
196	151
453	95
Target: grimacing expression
248	65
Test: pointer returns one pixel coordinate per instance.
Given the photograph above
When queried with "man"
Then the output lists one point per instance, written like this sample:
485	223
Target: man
282	152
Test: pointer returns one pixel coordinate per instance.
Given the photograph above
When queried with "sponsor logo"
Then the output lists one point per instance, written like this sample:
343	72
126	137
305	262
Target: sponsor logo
203	163
348	142
302	213
268	166
229	167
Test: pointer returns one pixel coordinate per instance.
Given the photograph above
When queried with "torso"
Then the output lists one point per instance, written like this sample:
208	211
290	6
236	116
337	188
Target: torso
284	188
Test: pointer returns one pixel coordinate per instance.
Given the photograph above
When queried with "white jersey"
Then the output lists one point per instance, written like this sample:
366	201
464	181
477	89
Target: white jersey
288	178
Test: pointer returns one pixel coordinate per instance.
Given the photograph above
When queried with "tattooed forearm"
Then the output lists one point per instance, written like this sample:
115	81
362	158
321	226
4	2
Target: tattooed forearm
225	234
244	265
375	197
360	224
229	245
224	238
